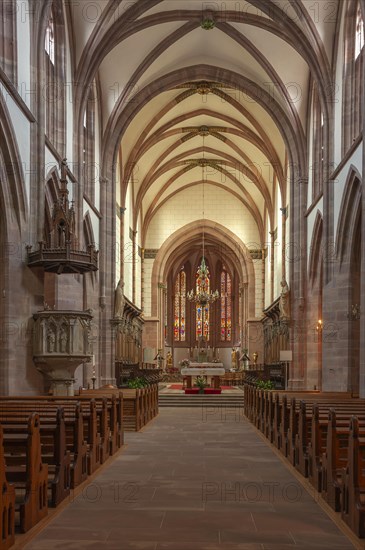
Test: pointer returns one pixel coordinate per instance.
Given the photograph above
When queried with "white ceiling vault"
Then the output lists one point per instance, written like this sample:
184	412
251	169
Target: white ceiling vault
137	50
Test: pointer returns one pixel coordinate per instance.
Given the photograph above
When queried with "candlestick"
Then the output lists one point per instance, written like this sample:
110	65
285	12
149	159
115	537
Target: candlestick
93	378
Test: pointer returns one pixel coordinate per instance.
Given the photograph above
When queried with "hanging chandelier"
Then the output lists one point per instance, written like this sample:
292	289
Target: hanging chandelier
203	295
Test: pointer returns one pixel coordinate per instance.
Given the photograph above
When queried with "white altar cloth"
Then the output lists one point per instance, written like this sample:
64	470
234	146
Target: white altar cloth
209	371
206	365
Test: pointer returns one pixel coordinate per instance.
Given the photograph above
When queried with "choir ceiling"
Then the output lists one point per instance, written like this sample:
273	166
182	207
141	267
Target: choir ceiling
280	47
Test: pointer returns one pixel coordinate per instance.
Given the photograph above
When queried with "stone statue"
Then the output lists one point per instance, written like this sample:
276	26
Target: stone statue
63	340
169	360
51	340
284	304
234	359
119	301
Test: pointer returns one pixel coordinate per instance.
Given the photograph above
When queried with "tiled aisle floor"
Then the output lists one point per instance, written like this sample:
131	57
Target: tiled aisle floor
193	480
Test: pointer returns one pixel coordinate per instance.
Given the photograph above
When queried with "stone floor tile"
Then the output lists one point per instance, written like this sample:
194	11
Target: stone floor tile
191	481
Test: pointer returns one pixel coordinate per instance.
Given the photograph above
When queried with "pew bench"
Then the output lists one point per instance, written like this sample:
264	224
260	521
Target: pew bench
76	444
53	448
353	481
318	441
25	470
7	503
335	458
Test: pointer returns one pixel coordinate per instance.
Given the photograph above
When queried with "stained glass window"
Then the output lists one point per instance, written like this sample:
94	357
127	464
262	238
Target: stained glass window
202	313
180	307
49	39
360	34
226	306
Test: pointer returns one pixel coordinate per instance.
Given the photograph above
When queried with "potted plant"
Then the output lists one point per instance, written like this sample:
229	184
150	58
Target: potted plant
201	383
137	383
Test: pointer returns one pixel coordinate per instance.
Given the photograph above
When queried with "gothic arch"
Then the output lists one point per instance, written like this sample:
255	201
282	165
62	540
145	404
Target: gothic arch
13	216
167	255
306	42
13	193
349	257
349	213
315	307
88	230
353	76
152	211
316	250
120	119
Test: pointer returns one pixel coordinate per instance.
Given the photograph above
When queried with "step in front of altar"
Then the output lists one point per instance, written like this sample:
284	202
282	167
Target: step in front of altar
201	400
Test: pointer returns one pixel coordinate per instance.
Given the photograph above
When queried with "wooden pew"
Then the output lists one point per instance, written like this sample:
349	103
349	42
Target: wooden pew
115	412
353	482
93	420
24	468
7	504
334	460
319	432
53	448
314	435
139	406
132	413
304	445
76	444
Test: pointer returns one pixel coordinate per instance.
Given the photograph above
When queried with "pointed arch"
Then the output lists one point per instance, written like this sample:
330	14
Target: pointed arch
13	192
219	234
349	214
316	250
88	230
54	59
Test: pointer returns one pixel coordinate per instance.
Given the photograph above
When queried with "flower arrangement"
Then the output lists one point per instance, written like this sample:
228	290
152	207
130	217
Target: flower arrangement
184	363
201	383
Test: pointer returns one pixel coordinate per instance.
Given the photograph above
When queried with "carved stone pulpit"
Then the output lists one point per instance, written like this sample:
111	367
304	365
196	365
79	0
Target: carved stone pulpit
62	341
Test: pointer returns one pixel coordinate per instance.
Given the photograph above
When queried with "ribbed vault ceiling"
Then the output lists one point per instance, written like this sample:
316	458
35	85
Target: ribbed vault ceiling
280	47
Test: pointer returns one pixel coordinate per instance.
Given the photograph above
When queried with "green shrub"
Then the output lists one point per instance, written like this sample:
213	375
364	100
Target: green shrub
262	385
201	383
137	383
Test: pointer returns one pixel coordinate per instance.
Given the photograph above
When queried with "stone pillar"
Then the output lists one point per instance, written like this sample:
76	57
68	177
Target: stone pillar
298	277
134	255
362	283
284	212
162	290
272	267
106	363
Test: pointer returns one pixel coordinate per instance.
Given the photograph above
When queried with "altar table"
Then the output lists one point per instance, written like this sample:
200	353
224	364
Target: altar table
206	365
213	372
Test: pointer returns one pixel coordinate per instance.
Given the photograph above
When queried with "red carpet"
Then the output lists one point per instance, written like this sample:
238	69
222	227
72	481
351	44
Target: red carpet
180	387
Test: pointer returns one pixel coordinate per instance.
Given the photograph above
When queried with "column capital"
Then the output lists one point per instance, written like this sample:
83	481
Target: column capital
284	211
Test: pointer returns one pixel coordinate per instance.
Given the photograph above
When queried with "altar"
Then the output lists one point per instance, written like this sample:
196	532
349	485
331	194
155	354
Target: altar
211	371
206	365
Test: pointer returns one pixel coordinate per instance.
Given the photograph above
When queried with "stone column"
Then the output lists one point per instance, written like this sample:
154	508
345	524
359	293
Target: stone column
284	212
106	366
298	278
362	283
272	267
134	254
162	289
121	240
